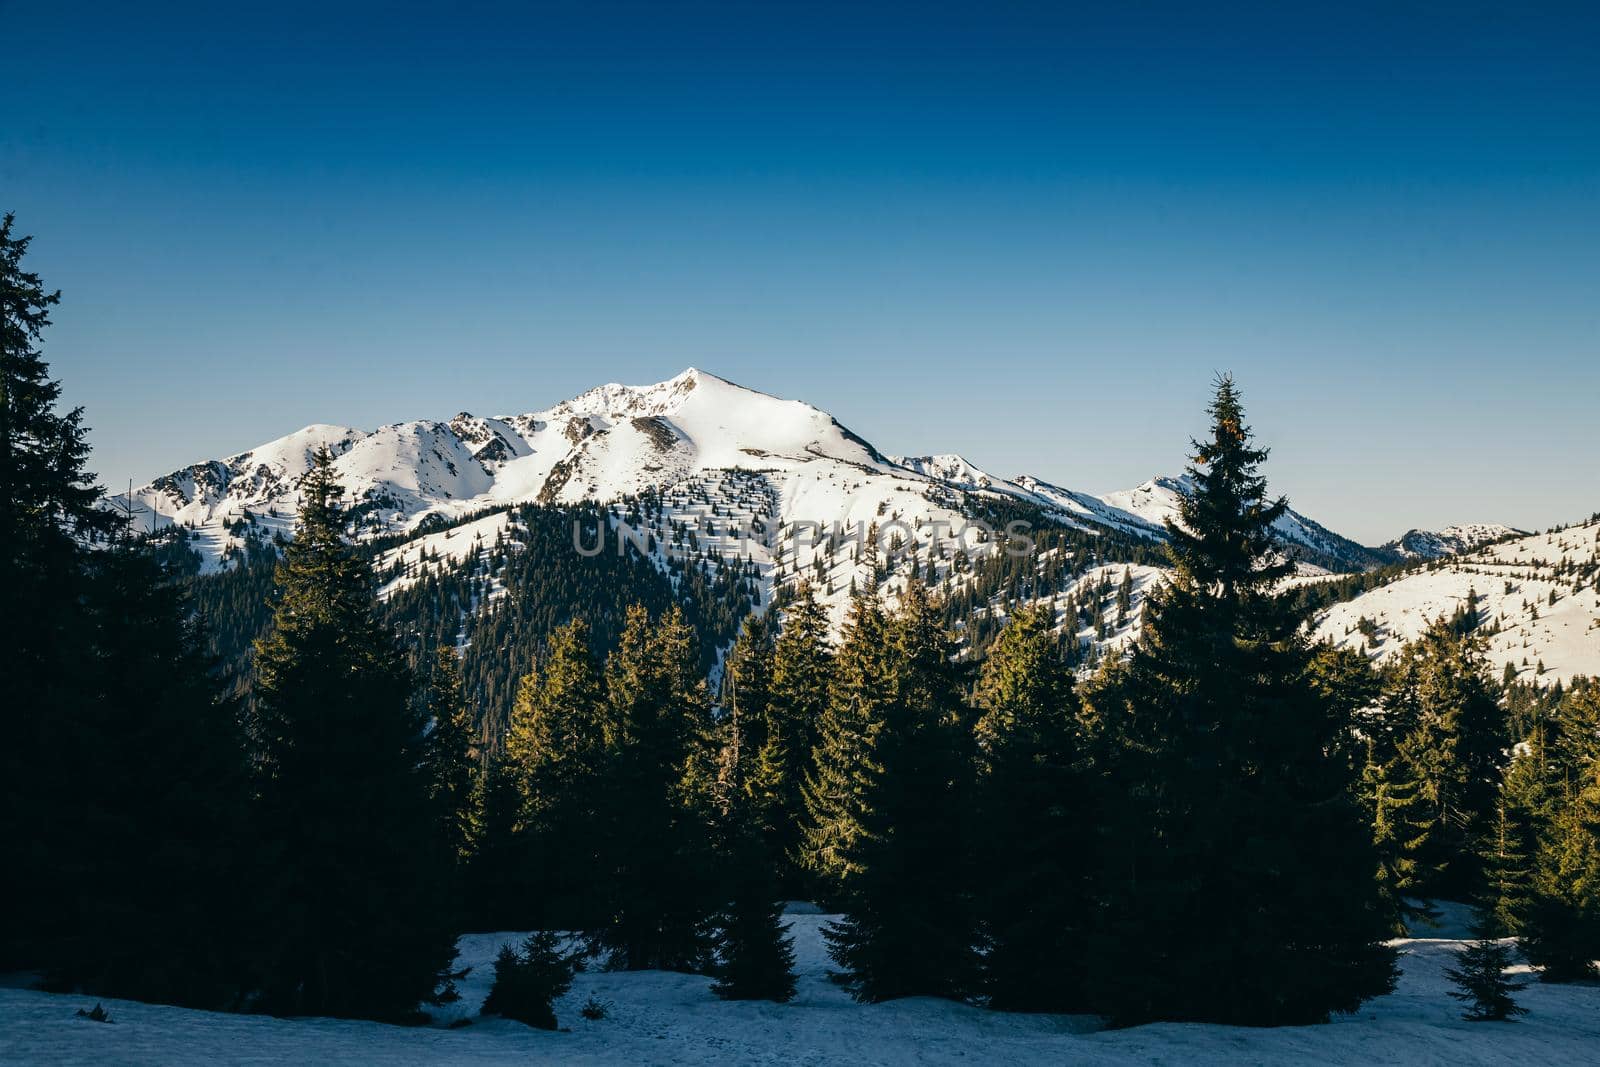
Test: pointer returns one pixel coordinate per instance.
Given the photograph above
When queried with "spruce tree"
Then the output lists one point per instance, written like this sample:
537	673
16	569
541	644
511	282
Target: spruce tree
908	927
1481	980
654	841
556	743
1031	836
842	767
1239	880
454	766
160	859
355	919
527	980
754	958
48	511
1451	759
802	663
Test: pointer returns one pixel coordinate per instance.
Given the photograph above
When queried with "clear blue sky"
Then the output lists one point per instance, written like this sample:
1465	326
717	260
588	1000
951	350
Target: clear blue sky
1027	233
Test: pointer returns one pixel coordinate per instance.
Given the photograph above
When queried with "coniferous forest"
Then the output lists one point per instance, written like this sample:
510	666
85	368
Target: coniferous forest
271	791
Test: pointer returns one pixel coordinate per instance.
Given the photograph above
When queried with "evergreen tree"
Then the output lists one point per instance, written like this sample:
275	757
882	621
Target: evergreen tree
355	920
1480	977
499	878
1031	838
1238	883
1451	759
1561	932
453	761
48	509
842	767
157	850
802	664
528	980
556	744
656	813
908	927
754	954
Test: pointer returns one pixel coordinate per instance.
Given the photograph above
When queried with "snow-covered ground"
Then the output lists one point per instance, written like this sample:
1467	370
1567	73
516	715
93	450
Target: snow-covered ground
656	1017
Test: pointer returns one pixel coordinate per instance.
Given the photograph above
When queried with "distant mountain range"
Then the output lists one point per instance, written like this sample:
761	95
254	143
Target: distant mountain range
714	456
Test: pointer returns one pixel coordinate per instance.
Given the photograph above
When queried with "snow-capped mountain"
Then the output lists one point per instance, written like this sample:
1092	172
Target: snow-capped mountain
1536	599
1450	541
710	455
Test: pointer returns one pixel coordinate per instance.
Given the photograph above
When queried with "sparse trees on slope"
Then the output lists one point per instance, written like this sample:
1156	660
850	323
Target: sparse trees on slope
352	893
1239	880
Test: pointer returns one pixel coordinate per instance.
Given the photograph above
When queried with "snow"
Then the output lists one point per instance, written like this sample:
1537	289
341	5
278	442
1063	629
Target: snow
659	1017
1513	581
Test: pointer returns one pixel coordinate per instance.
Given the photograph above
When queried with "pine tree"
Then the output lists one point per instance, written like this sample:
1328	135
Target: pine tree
908	927
1480	976
802	664
557	743
159	857
842	767
453	762
528	980
1238	882
1031	839
1452	758
655	839
499	878
355	920
754	954
48	509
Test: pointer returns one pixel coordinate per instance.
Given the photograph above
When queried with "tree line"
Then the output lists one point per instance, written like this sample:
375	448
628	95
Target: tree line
1227	825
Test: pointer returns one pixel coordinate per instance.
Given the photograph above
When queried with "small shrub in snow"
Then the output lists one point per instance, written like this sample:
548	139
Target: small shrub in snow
594	1010
96	1014
1480	972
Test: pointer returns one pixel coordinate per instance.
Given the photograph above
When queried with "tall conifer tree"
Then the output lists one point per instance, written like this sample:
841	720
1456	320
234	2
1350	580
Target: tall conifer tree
1031	838
1240	882
908	927
355	920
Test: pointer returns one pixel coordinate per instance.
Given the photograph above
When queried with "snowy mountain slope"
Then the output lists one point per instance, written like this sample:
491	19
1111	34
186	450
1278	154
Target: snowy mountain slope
1535	596
1450	541
662	1017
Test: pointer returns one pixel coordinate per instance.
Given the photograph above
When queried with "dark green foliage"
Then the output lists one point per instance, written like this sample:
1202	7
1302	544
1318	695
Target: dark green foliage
455	779
157	847
355	920
895	843
655	888
528	980
47	509
1446	764
556	747
1032	837
1238	874
1481	980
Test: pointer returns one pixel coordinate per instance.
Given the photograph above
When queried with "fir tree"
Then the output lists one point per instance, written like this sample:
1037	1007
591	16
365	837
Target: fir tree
352	893
1452	759
47	511
159	857
453	762
656	813
1031	837
1480	977
556	744
908	927
842	767
528	980
1239	874
802	664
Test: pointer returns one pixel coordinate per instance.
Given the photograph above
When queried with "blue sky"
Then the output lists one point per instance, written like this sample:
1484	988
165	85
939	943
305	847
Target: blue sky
1026	233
